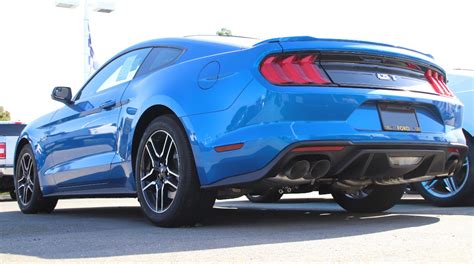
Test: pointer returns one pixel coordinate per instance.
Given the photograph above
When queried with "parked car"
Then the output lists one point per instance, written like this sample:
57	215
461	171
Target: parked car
457	190
9	132
181	122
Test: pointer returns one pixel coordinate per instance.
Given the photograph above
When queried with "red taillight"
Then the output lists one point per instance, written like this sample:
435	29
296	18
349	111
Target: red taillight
443	84
272	71
318	149
413	66
437	82
453	150
3	150
293	69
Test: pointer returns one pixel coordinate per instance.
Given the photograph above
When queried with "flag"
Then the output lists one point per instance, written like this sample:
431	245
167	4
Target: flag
92	64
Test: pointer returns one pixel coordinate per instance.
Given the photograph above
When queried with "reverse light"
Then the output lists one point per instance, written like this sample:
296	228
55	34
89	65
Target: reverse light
3	150
404	161
437	82
293	69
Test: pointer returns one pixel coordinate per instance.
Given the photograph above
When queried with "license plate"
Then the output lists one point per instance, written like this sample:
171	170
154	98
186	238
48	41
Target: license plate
395	117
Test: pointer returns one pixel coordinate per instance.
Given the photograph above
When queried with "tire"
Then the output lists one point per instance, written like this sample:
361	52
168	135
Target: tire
13	195
168	187
437	191
271	196
373	199
27	186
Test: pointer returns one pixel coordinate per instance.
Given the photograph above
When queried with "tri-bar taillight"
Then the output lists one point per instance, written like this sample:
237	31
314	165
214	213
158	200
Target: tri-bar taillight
437	82
293	69
3	150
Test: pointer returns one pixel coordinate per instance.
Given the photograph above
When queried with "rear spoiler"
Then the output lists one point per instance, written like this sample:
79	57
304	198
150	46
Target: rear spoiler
308	38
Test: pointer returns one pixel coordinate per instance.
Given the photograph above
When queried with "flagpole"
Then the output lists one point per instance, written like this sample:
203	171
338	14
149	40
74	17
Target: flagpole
86	40
101	7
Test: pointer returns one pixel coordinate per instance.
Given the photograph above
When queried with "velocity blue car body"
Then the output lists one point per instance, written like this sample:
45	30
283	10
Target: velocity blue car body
217	91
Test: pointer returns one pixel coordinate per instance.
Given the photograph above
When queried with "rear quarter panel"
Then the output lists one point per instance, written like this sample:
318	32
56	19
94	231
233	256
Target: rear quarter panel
179	86
185	89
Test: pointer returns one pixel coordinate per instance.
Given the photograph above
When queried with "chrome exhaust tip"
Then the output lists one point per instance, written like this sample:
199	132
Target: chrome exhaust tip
298	170
319	169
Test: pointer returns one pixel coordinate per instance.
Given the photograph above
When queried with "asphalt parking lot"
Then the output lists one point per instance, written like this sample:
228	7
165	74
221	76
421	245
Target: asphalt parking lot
299	228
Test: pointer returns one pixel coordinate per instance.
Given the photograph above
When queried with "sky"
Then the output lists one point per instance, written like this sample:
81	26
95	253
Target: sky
41	45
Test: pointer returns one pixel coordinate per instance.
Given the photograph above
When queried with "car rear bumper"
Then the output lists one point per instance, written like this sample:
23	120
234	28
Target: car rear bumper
267	119
361	161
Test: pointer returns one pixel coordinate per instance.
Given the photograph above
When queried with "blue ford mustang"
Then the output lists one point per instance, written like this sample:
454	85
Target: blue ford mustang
181	122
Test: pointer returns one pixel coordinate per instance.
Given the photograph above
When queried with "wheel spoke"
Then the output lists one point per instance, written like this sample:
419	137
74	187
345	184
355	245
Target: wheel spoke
23	165
30	163
148	185
164	146
148	175
153	147
168	152
450	184
30	175
24	195
22	178
149	155
432	184
156	197
172	173
30	187
162	190
171	184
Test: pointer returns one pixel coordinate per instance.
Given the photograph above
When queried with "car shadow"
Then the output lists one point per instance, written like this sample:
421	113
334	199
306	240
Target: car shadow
408	205
120	231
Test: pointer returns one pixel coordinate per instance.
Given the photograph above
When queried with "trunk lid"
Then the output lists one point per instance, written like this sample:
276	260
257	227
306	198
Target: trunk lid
370	65
354	46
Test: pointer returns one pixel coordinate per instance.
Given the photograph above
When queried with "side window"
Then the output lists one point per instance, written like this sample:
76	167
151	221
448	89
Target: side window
159	57
118	71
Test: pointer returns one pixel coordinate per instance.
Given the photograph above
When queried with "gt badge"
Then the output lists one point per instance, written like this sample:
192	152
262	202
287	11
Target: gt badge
386	77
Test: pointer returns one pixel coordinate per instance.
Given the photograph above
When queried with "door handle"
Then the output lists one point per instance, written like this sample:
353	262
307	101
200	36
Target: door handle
108	105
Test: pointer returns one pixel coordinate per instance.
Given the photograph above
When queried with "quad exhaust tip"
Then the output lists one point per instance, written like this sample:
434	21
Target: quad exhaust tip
298	170
320	168
308	170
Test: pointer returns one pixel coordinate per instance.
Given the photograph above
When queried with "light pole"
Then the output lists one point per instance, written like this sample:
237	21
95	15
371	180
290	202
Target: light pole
101	7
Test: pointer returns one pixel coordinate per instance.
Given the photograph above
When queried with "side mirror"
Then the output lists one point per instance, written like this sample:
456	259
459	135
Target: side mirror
62	94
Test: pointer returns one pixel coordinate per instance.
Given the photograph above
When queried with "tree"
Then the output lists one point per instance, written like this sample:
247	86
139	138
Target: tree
224	32
4	115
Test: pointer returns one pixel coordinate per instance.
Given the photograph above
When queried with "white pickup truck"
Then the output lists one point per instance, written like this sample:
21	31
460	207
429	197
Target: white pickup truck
9	132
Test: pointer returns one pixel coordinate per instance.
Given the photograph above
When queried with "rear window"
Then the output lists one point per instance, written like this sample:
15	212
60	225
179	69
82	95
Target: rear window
159	58
11	129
